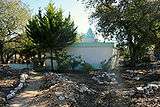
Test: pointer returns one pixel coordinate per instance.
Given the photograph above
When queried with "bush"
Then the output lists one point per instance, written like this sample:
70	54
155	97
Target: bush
146	59
68	62
87	67
39	69
106	65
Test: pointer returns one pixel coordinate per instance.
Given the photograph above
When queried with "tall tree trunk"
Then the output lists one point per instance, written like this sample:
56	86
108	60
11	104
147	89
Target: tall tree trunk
15	57
2	59
39	58
52	68
56	56
131	51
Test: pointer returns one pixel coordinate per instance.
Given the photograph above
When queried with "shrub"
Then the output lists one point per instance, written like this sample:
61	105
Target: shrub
87	67
68	62
106	65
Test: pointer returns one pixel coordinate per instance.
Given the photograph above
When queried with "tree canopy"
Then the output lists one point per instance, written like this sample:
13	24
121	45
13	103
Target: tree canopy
51	30
134	23
13	18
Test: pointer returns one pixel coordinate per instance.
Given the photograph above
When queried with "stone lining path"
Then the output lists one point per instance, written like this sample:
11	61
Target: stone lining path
31	90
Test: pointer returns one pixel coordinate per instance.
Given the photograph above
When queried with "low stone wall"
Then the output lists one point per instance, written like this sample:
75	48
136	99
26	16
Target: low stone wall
21	66
13	92
9	93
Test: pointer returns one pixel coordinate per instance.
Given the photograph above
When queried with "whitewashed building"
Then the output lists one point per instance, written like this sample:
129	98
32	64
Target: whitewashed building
92	51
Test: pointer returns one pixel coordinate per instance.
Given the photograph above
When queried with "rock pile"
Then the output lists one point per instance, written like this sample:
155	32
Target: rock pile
133	74
9	79
63	92
146	102
141	75
105	78
10	83
75	90
6	71
148	90
13	92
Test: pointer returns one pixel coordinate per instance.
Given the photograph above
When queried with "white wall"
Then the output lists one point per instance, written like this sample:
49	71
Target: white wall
92	55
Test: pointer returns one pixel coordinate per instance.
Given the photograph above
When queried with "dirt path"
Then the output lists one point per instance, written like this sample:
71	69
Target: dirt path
31	90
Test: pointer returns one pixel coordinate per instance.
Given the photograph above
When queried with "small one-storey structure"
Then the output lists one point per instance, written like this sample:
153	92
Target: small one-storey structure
91	50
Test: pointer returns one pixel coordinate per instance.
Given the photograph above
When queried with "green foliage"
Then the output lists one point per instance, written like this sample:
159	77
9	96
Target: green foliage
106	65
135	23
51	30
86	67
68	62
25	47
13	18
64	61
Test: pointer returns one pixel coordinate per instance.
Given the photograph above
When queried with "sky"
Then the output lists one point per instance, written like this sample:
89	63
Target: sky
76	8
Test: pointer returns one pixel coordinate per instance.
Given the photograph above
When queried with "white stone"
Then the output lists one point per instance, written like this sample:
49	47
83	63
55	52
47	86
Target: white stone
22	80
99	82
140	88
94	78
113	79
20	86
9	96
113	83
131	71
103	75
24	76
61	98
83	88
13	91
16	89
137	78
58	93
112	74
153	86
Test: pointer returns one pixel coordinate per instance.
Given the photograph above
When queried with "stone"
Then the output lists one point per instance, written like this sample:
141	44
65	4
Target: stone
99	82
105	78
153	86
20	86
11	91
58	93
11	95
22	80
130	71
137	78
113	79
23	76
16	89
83	88
140	88
61	98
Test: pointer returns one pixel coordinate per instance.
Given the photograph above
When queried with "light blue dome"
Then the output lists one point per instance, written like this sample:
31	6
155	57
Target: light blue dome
89	34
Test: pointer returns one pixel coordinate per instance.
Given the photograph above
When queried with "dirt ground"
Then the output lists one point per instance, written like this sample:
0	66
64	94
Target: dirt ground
96	89
28	93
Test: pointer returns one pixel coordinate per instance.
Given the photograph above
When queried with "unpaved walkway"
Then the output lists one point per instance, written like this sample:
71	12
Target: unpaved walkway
31	90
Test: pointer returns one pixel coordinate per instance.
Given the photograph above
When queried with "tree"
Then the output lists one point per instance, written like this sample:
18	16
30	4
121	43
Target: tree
51	30
25	47
134	23
13	18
